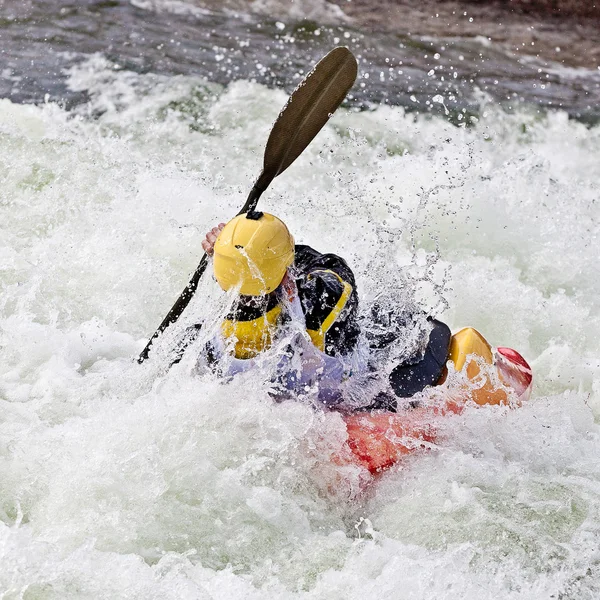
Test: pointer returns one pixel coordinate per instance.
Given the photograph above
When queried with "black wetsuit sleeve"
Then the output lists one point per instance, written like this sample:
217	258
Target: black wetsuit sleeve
415	375
327	291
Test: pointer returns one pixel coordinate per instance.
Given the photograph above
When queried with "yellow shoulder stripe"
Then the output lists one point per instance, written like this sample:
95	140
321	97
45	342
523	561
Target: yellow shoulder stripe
318	335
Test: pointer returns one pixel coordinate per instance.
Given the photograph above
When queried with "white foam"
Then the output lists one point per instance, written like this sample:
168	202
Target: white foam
125	480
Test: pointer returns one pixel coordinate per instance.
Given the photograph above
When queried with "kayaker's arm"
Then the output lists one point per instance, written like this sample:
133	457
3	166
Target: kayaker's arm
415	373
426	368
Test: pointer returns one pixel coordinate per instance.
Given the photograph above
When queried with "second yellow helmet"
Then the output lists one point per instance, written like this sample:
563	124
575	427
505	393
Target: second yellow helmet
253	252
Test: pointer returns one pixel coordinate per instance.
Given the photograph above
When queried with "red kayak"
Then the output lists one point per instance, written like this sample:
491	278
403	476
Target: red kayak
377	440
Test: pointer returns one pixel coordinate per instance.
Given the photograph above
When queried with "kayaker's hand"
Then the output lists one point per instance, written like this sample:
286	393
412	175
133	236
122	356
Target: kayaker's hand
208	244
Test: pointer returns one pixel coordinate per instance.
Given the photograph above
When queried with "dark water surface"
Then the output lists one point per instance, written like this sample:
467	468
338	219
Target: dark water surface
39	41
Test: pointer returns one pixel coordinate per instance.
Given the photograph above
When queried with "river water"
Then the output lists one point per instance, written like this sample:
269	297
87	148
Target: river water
126	481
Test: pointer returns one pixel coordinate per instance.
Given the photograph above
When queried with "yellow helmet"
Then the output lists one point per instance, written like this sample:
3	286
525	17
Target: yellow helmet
253	251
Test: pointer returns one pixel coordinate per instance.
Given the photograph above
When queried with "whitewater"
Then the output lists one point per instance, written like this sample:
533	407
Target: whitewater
120	480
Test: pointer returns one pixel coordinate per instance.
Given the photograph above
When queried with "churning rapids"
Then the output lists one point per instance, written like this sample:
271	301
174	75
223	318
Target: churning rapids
126	481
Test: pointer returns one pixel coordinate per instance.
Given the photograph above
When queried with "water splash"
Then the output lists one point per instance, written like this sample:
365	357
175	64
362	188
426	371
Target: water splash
148	482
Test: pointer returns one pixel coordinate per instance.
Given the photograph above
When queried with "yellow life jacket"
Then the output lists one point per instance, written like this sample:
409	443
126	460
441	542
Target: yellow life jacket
251	337
251	331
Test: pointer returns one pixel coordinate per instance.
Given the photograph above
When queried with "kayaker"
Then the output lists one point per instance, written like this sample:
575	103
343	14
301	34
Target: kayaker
279	283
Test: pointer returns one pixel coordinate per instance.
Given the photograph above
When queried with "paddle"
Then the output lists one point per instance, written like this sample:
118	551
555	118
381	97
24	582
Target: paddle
307	110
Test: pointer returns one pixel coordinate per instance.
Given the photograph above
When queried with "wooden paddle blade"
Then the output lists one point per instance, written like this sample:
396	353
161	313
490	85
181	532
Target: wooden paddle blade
307	110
